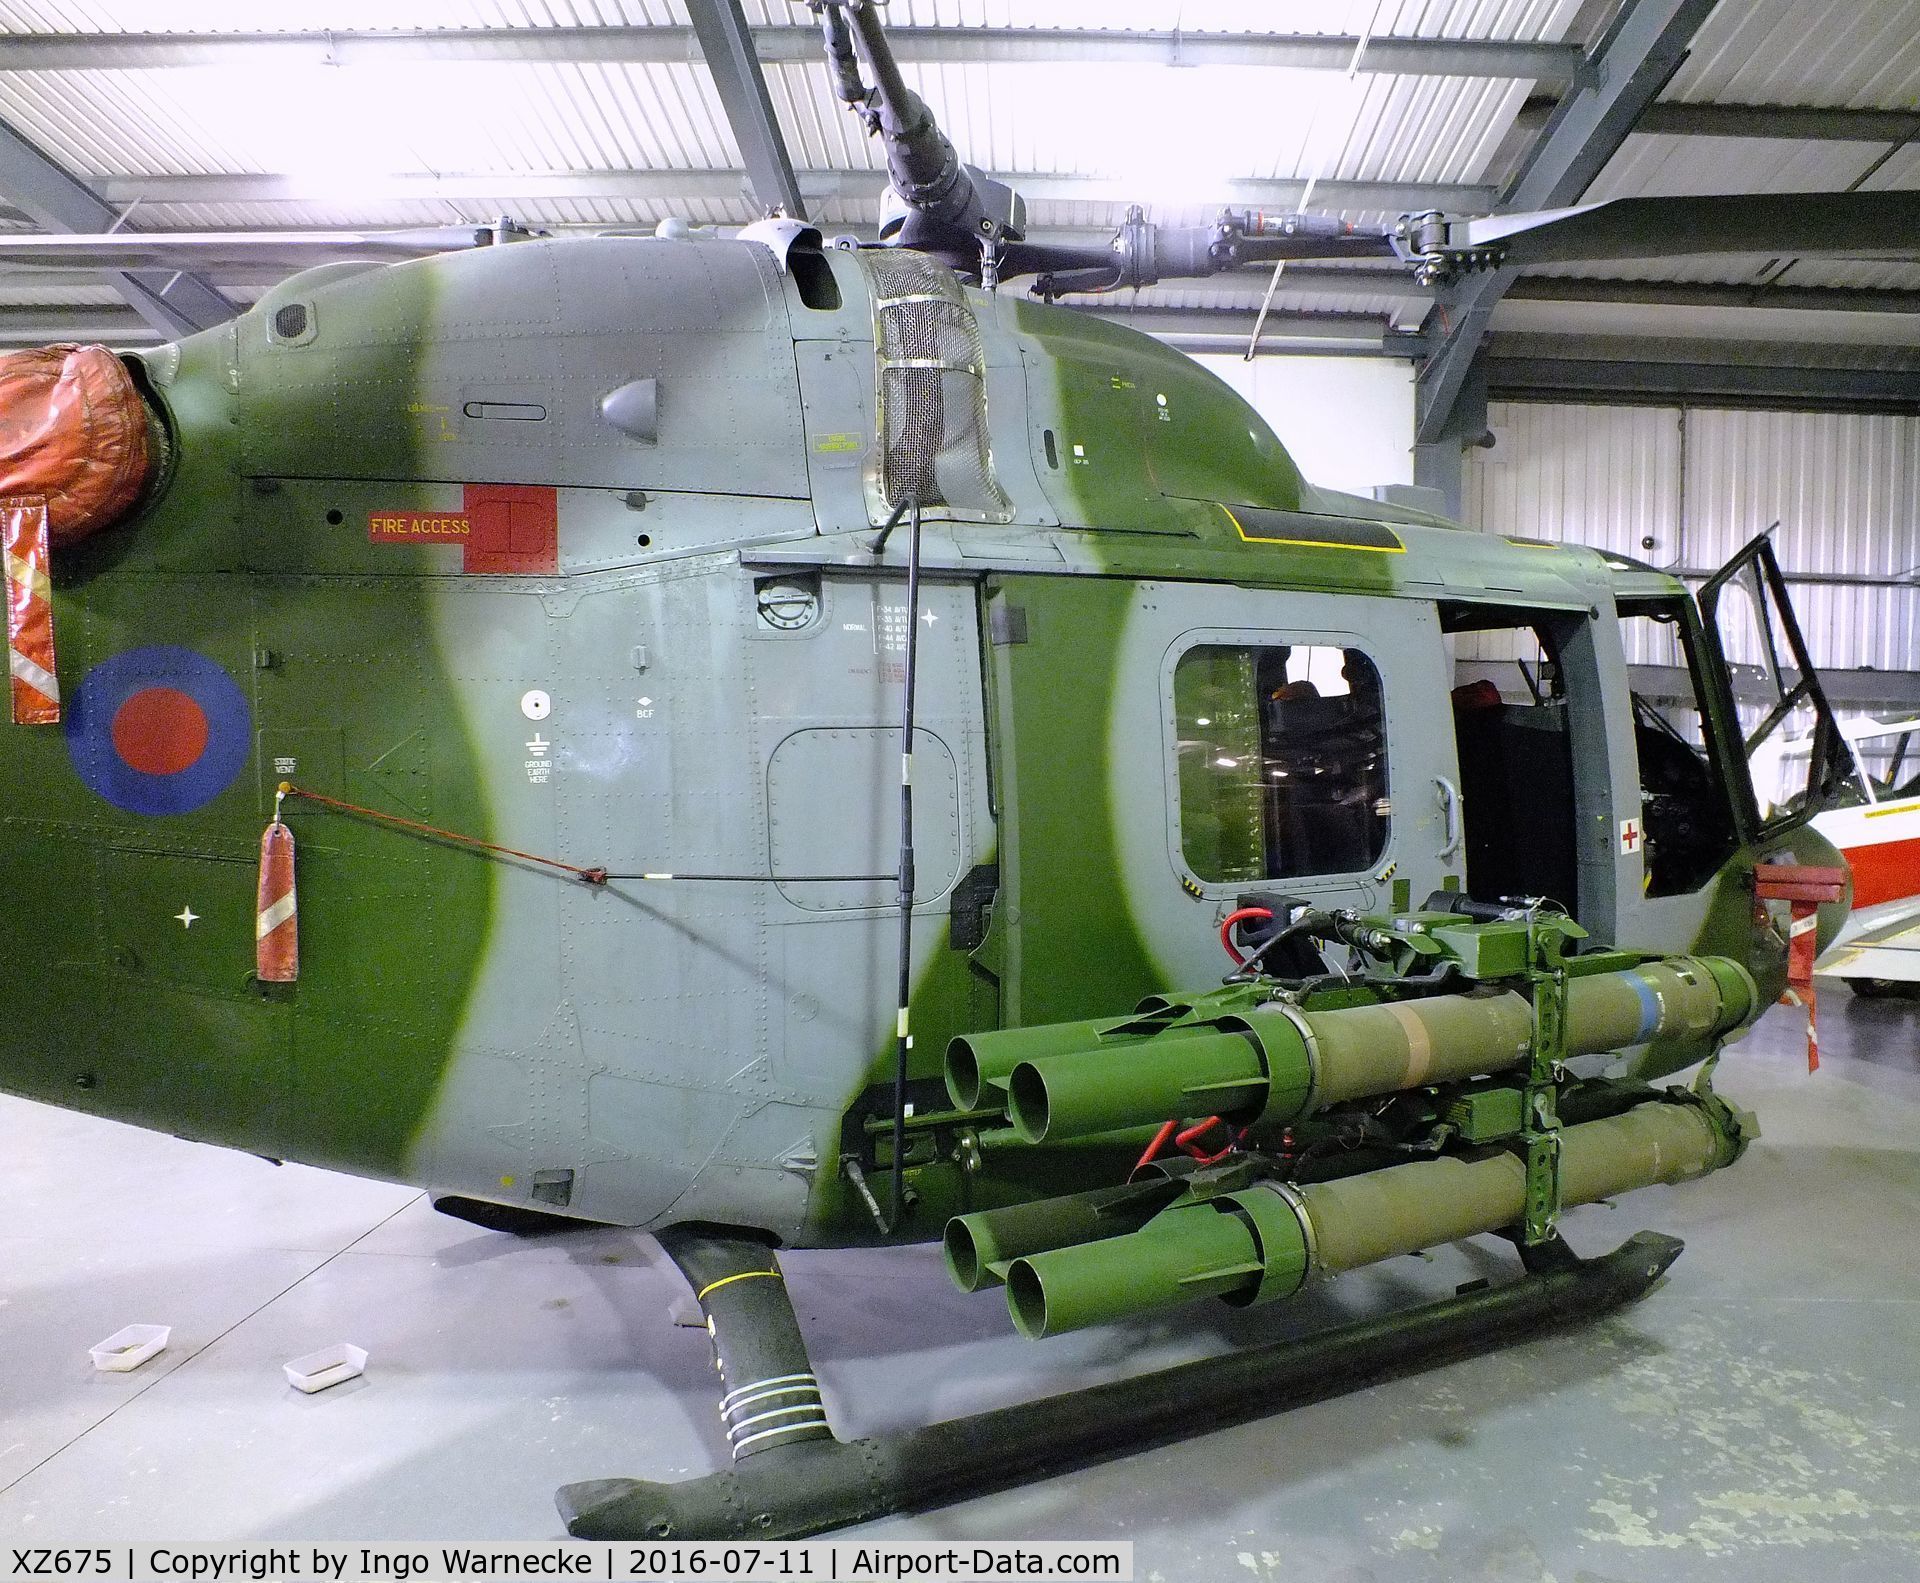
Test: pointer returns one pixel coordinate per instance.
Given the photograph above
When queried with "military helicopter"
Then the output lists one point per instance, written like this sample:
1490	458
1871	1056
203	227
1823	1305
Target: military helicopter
765	741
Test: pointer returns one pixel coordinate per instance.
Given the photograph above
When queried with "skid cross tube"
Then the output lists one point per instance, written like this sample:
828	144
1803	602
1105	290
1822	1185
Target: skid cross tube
810	1488
771	1396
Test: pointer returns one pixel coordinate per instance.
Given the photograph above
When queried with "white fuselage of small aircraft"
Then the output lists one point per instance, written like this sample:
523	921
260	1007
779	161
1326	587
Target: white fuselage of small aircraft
1880	838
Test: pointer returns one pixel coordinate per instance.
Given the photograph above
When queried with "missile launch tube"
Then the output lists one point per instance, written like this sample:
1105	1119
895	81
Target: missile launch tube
975	1244
1262	1243
1276	1064
1364	1219
979	1062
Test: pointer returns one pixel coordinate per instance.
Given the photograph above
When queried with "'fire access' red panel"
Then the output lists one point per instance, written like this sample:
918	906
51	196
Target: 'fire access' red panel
501	528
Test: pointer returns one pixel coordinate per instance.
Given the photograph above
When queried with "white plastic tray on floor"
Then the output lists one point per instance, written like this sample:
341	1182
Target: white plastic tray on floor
332	1365
128	1349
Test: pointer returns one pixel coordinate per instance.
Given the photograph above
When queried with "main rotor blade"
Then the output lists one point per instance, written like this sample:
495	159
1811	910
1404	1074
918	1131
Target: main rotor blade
215	249
1824	224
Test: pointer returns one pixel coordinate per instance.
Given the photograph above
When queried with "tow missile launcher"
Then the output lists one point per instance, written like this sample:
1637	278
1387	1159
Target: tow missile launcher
1444	1049
1425	1089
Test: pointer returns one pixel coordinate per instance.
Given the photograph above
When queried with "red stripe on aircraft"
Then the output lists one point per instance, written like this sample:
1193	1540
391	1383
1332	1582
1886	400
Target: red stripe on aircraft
1886	871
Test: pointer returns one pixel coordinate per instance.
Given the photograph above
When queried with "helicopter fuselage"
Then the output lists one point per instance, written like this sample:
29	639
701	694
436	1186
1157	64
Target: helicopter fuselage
566	546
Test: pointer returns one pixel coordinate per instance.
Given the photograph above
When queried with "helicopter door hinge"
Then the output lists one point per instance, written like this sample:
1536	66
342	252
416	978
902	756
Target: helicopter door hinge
972	902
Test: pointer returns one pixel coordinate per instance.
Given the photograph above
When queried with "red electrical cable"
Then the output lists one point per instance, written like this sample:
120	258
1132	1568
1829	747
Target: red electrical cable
592	876
1159	1143
1185	1140
1240	916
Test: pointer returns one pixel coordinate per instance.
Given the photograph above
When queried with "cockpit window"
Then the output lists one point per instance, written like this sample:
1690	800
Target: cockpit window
1282	761
1685	810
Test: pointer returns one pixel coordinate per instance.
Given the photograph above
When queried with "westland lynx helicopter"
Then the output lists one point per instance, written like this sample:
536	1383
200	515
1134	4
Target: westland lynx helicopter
777	736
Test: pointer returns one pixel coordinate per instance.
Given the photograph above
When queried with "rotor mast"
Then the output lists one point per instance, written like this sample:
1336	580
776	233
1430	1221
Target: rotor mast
946	207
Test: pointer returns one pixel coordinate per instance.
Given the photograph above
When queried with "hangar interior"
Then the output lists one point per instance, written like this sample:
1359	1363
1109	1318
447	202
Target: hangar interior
1757	1417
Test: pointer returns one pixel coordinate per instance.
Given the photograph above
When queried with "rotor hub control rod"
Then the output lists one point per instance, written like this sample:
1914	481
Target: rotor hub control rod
770	1394
1266	1241
922	163
818	1487
1275	1064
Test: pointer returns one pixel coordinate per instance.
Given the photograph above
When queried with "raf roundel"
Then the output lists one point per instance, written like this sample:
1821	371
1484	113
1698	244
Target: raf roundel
159	730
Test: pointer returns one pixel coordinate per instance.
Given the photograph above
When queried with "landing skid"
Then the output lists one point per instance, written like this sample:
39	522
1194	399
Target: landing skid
801	1487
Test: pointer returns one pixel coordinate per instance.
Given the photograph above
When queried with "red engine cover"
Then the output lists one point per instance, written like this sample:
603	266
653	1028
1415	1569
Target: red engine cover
73	432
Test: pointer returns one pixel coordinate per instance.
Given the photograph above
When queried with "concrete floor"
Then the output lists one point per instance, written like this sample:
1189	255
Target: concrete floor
1757	1417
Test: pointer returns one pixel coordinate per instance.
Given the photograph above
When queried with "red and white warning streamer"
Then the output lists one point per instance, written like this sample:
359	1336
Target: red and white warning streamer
34	691
277	929
1805	887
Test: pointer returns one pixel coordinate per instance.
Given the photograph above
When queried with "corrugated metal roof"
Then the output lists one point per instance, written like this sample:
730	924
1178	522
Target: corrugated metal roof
331	124
1796	326
1657	164
292	16
1807	52
1503	19
19	294
1084	119
1170	139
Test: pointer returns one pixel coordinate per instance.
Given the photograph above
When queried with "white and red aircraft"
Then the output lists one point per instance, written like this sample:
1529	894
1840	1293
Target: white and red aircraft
1878	952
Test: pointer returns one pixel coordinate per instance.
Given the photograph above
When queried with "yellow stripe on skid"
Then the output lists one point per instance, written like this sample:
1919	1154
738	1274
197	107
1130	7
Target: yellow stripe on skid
728	1280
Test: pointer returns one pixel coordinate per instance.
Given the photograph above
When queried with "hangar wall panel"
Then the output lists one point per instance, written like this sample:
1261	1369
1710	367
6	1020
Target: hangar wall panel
1844	489
1605	476
1346	421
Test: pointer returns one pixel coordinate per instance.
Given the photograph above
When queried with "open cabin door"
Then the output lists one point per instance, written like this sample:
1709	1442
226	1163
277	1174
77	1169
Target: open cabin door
1776	693
1730	747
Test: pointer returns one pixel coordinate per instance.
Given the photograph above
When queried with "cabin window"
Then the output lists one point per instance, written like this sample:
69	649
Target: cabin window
1282	761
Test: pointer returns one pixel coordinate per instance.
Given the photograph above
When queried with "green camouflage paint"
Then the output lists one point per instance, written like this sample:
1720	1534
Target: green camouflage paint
135	1013
354	664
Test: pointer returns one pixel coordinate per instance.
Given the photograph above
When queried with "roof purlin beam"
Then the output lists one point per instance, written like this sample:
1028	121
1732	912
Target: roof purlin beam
174	304
1790	387
1635	60
1789	122
1431	57
1711	294
670	186
727	43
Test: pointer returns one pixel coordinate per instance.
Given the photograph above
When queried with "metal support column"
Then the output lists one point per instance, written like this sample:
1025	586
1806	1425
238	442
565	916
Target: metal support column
727	43
1442	464
175	304
1640	52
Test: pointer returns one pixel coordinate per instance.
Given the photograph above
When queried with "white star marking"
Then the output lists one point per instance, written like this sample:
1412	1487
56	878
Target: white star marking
187	917
929	617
